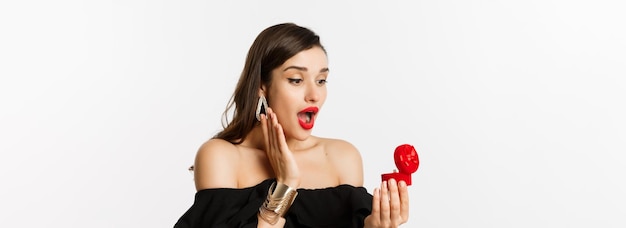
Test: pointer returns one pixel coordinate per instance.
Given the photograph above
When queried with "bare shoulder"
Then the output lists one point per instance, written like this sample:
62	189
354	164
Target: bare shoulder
216	165
339	147
346	159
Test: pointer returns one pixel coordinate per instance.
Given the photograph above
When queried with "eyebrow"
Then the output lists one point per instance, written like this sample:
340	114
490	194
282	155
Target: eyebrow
323	70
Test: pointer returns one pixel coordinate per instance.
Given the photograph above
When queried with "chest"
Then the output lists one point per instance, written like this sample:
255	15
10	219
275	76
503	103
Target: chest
317	172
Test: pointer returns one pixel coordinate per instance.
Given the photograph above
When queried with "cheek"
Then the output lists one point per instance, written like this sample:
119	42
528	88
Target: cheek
280	103
323	96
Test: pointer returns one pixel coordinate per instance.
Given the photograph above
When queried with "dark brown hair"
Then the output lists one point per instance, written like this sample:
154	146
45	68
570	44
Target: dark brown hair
271	48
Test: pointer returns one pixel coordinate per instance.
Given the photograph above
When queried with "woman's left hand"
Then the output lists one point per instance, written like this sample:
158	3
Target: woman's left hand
390	205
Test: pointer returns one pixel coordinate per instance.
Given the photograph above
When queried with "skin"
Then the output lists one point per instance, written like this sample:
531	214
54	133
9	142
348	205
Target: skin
280	148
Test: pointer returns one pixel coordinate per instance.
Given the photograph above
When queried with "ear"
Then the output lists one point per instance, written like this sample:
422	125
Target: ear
263	91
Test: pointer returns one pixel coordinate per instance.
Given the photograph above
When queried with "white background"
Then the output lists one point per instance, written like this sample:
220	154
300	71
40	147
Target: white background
516	108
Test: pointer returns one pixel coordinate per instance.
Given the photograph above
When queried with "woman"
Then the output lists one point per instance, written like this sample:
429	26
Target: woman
265	169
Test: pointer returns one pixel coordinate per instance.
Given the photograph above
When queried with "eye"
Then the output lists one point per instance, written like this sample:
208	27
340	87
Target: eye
322	82
295	81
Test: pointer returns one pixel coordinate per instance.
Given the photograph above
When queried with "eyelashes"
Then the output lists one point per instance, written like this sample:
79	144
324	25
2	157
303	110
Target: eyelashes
298	81
295	81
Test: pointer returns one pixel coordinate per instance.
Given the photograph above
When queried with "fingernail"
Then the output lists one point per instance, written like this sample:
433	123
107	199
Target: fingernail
392	181
402	184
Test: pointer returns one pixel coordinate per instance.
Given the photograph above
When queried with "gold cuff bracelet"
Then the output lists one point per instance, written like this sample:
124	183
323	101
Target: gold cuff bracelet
278	201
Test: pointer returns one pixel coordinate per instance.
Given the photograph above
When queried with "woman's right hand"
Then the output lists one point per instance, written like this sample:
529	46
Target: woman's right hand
280	157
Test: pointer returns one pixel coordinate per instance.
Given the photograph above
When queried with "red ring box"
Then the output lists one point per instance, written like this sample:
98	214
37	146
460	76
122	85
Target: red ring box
407	163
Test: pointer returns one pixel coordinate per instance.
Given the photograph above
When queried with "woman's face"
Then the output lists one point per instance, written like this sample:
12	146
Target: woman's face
298	91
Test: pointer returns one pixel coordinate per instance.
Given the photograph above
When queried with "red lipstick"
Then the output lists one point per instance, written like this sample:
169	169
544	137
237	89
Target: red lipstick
306	117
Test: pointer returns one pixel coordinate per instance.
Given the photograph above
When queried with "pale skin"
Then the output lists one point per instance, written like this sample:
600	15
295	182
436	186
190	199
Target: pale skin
280	148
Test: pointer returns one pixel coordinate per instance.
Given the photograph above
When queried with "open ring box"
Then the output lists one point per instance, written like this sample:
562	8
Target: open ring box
407	163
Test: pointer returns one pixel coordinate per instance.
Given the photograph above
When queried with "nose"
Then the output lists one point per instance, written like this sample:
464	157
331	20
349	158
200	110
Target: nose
312	93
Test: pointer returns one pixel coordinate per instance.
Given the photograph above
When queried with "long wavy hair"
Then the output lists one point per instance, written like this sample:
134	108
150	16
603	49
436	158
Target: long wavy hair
271	48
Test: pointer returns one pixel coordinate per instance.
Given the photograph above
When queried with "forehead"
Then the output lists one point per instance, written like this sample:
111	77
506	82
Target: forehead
314	59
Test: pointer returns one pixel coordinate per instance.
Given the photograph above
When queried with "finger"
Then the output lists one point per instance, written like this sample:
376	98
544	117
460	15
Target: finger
404	201
280	134
270	133
271	150
394	202
384	203
376	204
274	126
265	132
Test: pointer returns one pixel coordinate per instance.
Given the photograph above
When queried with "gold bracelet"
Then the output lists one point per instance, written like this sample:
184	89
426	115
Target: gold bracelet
278	201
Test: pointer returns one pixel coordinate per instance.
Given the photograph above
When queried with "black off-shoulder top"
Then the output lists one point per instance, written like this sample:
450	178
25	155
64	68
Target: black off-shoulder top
341	206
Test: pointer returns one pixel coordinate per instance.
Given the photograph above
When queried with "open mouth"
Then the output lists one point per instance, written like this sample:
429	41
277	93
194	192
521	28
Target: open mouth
306	117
